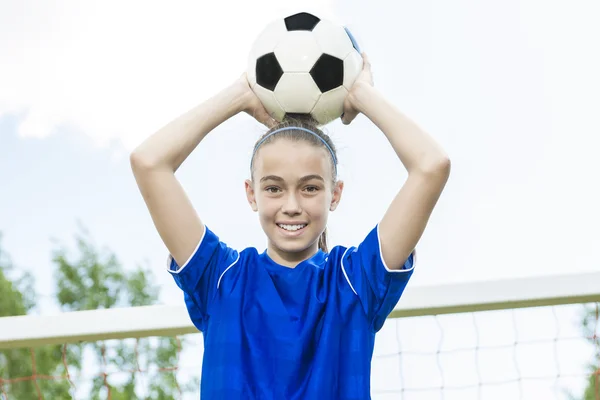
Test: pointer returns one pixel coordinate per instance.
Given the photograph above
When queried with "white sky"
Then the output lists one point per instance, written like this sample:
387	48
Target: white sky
510	89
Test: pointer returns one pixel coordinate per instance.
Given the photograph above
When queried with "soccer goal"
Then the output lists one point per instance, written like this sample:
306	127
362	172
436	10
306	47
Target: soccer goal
529	338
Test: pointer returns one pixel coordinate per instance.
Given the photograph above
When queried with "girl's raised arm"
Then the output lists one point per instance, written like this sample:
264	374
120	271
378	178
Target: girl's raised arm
427	164
155	161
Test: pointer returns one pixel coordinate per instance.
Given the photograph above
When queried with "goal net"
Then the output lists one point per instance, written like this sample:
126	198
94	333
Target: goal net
530	338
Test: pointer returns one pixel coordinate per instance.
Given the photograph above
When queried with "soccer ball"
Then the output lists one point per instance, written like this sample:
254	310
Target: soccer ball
303	65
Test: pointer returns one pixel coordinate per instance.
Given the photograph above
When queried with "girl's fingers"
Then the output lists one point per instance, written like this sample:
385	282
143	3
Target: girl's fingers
366	62
264	118
348	116
270	122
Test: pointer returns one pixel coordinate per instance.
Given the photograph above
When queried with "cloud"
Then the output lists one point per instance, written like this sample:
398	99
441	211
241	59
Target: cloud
121	70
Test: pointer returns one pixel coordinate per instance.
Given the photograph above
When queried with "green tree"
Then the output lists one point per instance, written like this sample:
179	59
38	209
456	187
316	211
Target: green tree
95	279
90	279
16	365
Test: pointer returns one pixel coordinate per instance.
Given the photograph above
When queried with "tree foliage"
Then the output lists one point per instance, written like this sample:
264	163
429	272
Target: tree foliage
90	279
18	298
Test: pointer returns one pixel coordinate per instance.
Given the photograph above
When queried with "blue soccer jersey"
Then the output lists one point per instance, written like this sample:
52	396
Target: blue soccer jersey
273	332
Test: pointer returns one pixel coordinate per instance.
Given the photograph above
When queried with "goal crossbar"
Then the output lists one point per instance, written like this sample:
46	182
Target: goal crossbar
168	320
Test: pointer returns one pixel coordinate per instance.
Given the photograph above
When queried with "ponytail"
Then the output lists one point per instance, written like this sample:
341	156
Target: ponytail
323	241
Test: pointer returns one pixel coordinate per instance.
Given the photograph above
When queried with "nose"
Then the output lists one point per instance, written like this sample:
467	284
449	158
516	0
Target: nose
291	205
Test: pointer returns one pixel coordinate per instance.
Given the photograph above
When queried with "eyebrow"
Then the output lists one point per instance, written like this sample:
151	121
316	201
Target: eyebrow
301	180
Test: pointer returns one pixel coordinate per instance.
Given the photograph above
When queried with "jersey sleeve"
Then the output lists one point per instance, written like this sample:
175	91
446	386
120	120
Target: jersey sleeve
200	276
377	287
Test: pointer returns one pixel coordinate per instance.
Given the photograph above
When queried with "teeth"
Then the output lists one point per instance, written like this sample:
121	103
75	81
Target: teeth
291	227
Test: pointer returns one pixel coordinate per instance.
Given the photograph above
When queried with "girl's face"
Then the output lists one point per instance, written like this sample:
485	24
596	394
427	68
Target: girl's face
293	191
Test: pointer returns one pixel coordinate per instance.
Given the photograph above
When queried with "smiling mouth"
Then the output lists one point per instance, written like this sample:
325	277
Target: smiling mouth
292	227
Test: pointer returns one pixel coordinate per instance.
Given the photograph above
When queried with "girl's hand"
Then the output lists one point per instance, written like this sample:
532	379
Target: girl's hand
251	104
364	78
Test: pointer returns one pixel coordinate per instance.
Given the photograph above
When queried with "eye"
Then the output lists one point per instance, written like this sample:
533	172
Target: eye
311	189
272	189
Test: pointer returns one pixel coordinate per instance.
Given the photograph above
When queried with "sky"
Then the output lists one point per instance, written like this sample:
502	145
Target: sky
510	90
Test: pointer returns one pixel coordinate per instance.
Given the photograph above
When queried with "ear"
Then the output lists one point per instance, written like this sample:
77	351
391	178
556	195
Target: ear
250	195
337	195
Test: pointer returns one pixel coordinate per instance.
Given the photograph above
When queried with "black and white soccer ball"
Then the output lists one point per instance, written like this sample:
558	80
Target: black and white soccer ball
303	65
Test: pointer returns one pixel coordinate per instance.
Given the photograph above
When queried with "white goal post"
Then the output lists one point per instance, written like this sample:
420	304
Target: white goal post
164	320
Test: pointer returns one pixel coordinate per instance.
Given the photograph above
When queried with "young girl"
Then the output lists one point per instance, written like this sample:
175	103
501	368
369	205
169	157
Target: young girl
297	321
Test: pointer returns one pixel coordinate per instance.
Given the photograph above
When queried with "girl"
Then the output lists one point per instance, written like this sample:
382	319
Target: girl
297	321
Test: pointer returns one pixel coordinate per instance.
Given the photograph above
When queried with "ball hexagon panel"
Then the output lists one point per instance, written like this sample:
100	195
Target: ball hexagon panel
297	93
333	39
330	105
288	50
268	99
328	72
268	71
268	38
301	22
353	64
